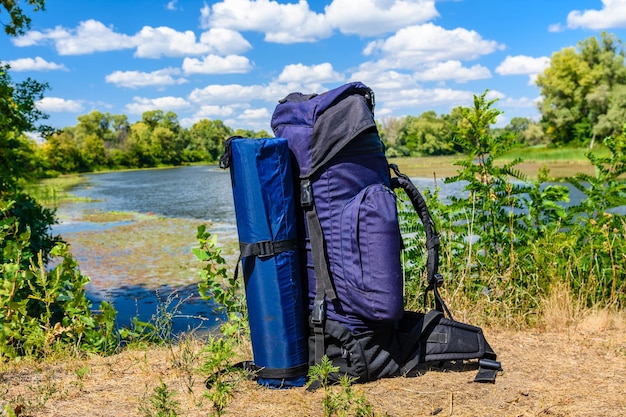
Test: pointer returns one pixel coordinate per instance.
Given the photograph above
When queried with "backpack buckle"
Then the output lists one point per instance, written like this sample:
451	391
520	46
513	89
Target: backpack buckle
265	248
306	193
371	100
318	313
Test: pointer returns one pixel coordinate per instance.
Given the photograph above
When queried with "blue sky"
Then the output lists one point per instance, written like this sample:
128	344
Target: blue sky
234	59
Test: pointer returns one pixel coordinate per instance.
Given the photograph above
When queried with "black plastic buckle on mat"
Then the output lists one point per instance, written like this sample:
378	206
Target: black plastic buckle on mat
318	314
266	248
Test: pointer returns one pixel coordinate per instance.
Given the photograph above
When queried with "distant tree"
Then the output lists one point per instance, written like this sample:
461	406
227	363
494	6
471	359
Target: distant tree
426	134
208	136
579	87
62	153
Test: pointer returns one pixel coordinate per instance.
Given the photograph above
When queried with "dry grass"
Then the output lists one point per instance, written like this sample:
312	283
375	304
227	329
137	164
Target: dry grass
577	370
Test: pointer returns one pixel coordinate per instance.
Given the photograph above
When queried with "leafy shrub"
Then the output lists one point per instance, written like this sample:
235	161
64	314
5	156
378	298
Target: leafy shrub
41	305
509	242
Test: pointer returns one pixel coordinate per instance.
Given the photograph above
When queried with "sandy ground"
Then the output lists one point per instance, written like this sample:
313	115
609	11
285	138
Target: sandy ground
574	371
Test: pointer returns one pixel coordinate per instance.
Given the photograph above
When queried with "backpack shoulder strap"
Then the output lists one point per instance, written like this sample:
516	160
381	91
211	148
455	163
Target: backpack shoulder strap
435	279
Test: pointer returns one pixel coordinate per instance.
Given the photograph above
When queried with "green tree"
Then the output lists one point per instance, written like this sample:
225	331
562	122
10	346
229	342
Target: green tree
18	23
18	115
426	134
578	88
208	136
62	153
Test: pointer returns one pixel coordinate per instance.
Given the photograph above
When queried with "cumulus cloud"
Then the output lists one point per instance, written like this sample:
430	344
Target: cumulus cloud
57	104
453	70
299	73
261	114
225	41
90	36
35	64
164	41
93	36
414	46
136	79
521	102
612	15
372	76
524	65
424	97
218	94
171	5
168	103
213	64
375	17
281	23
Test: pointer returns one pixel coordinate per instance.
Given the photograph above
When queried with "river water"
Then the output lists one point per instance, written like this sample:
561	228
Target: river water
202	193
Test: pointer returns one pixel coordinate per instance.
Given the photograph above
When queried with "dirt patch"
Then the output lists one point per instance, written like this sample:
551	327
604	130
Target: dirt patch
575	371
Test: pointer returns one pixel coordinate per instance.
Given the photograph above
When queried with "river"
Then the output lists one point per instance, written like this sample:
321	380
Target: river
175	201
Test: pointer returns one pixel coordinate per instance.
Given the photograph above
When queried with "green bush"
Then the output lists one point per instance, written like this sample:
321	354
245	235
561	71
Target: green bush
508	243
43	303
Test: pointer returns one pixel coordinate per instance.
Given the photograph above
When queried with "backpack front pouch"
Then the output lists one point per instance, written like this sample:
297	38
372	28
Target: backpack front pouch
370	246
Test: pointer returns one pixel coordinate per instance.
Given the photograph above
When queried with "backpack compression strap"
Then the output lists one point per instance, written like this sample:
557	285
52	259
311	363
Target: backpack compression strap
323	282
435	279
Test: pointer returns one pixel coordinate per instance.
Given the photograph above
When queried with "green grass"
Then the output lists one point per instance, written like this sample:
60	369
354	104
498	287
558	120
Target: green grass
544	154
50	192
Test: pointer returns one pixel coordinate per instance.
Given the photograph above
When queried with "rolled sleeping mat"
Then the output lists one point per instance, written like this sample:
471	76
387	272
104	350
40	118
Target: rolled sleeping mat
262	182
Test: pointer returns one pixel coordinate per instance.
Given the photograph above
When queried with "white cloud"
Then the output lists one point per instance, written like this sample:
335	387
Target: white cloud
414	46
90	36
205	15
523	65
259	115
453	70
299	73
93	36
373	77
219	94
169	103
136	79
521	102
56	104
171	5
555	28
281	23
35	64
225	41
211	112
375	17
164	41
213	64
612	15
415	97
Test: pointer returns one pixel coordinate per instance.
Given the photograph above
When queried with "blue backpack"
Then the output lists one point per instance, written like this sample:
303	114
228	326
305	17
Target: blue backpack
350	245
320	248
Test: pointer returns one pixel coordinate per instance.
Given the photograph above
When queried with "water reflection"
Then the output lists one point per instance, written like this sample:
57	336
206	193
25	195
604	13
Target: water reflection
202	193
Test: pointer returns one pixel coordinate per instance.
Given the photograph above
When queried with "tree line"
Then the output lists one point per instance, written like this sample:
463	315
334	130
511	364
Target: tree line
583	98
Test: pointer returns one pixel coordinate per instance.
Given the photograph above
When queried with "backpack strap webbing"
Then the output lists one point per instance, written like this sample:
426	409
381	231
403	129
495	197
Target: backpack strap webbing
415	336
323	282
435	279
